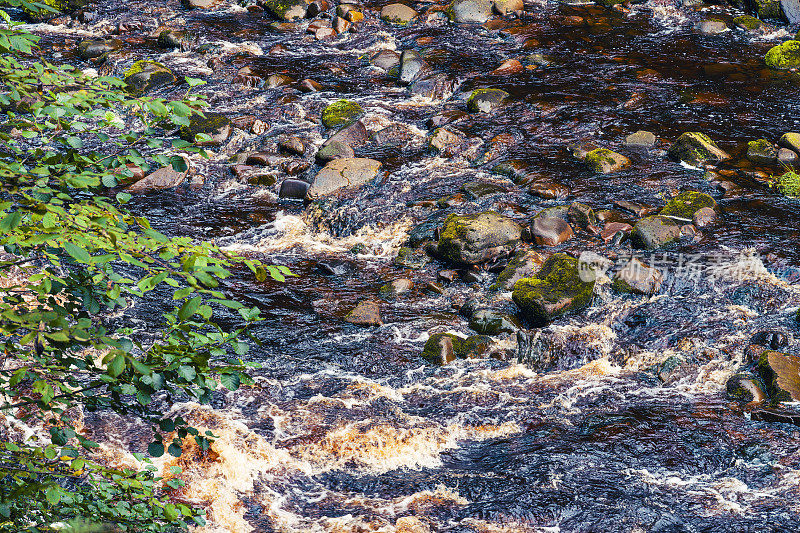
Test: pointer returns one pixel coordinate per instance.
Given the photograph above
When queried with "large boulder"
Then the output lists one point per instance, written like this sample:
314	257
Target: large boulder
791	10
783	56
398	14
557	289
780	373
470	11
686	204
343	173
144	76
472	239
655	232
696	148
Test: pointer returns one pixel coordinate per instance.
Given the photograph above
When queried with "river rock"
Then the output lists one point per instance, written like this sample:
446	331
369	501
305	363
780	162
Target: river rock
173	39
334	149
746	22
440	348
787	157
556	290
287	9
606	161
780	373
96	48
436	86
217	126
745	387
355	135
524	264
486	100
398	14
442	138
411	66
385	59
704	217
413	258
550	231
761	152
612	229
655	232
637	277
783	56
791	141
492	322
163	178
686	204
366	313
581	215
472	239
341	113
641	139
202	4
396	288
347	173
470	11
504	7
145	75
696	148
711	27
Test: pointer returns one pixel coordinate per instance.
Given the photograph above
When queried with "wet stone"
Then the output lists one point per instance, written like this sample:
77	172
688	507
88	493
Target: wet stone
163	178
341	113
93	49
470	11
443	138
293	145
780	372
343	174
655	232
366	313
745	387
486	100
686	204
398	14
287	9
791	141
491	322
293	189
216	126
472	239
411	66
524	264
696	148
413	258
396	288
704	217
145	76
606	161
761	152
641	139
550	231
504	7
787	157
711	27
637	277
385	59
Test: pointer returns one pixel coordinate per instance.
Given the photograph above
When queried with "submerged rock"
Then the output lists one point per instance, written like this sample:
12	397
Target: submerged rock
556	290
655	232
696	148
472	239
396	288
491	322
686	204
144	76
343	173
366	313
745	387
637	277
550	231
486	100
606	161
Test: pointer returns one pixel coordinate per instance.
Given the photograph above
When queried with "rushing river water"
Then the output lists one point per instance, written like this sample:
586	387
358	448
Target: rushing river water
347	428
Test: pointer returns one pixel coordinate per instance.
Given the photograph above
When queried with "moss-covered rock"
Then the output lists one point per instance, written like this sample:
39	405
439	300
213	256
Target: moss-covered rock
472	239
745	387
287	9
686	204
216	126
655	232
746	22
144	76
761	152
790	140
341	113
789	184
606	161
556	290
780	374
442	348
96	48
413	258
768	9
696	148
486	100
524	264
783	56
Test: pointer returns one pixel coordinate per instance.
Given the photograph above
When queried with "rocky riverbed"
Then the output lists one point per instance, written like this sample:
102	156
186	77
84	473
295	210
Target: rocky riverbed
547	257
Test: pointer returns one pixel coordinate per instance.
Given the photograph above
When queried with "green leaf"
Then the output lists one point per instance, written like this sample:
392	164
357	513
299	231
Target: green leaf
187	372
174	450
53	495
116	366
230	381
189	308
79	254
155	449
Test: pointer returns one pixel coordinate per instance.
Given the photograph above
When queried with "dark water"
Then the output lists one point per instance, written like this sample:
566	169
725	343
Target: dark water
347	428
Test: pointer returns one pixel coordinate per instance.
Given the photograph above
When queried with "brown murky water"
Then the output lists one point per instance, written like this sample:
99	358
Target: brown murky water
347	428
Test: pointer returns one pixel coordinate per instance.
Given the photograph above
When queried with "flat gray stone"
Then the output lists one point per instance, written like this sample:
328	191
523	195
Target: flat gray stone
343	173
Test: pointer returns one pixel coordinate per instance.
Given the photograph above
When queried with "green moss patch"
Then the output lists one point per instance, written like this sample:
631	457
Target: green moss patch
784	56
687	203
341	113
